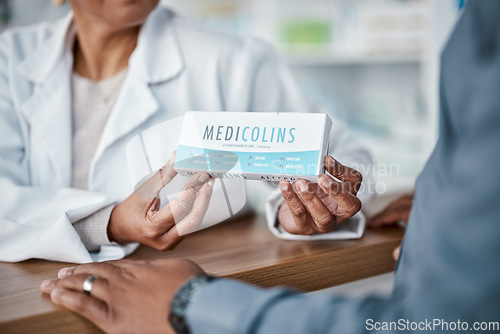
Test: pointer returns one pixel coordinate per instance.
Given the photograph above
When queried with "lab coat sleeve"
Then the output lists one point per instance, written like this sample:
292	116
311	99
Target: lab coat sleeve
36	222
273	89
93	230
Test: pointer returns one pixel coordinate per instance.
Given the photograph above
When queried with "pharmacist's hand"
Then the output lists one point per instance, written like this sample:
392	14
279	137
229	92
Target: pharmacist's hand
127	296
311	208
138	218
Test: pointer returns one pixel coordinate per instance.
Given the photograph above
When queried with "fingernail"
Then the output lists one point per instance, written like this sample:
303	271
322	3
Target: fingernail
302	185
325	181
211	182
45	285
284	186
203	177
63	272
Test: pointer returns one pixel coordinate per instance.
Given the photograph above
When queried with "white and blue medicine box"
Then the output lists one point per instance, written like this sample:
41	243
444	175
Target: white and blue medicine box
253	145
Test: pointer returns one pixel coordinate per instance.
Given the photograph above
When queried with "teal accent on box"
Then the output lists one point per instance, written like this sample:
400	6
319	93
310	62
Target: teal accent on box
290	163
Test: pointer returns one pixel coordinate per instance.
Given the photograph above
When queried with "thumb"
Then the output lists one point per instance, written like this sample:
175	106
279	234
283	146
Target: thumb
151	188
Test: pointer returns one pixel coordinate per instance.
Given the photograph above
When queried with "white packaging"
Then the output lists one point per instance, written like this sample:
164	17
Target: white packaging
254	145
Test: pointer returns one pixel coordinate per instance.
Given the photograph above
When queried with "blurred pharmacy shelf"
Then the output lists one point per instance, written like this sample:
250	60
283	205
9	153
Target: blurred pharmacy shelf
335	59
22	12
372	64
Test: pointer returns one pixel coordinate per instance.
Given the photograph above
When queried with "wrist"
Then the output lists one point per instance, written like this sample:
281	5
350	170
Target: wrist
114	230
185	296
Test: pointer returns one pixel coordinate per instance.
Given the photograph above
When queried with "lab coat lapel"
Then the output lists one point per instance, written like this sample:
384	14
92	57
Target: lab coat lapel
156	59
134	106
48	110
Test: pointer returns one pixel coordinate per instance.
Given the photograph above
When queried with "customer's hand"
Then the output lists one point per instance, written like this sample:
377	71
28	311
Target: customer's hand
398	210
127	296
138	218
319	207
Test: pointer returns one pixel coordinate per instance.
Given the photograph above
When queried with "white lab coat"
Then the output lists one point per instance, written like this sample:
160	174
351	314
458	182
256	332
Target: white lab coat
178	65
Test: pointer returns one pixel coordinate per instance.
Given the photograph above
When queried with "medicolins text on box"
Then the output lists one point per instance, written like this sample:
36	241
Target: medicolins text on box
253	145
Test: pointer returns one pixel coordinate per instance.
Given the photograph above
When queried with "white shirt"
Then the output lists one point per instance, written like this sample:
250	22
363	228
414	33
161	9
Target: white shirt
92	104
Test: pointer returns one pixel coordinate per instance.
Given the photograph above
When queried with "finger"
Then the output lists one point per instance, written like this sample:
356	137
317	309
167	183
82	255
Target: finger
152	187
75	282
397	211
350	176
182	206
155	204
93	309
193	220
325	221
125	263
169	240
396	253
301	217
69	271
101	269
65	272
388	218
348	204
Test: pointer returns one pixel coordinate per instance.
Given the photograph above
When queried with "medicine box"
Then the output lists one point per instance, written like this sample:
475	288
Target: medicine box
253	145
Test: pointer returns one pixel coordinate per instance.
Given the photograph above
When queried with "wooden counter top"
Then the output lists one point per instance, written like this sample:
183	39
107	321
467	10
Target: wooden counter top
244	250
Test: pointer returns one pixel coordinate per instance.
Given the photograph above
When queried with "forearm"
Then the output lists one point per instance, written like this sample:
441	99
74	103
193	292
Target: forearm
227	306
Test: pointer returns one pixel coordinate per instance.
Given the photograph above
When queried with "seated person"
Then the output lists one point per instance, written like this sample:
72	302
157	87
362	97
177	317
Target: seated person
72	95
448	274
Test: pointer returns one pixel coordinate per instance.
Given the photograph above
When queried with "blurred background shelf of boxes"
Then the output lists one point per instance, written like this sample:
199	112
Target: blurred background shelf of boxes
372	63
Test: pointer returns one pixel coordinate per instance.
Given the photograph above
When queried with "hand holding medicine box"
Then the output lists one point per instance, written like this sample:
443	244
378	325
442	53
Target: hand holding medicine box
254	145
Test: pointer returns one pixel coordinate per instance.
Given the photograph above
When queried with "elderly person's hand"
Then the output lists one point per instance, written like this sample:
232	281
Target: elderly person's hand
311	208
139	219
127	296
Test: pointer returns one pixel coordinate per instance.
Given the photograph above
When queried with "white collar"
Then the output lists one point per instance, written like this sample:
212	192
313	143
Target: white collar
156	58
